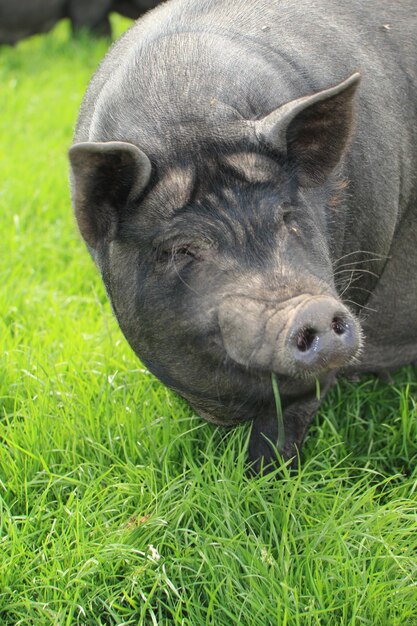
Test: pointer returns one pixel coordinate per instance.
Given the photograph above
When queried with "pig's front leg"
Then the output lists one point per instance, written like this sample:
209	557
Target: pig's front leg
297	416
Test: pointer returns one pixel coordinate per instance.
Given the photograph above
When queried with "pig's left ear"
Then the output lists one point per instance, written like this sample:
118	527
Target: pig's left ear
105	177
313	131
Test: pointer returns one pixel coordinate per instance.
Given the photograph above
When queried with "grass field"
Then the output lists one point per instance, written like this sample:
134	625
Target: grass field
118	504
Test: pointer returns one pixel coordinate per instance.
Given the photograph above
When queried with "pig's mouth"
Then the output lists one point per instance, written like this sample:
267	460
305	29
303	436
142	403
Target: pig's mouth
292	383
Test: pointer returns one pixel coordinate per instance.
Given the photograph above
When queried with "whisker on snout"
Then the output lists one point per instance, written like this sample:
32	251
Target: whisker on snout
360	271
378	257
361	306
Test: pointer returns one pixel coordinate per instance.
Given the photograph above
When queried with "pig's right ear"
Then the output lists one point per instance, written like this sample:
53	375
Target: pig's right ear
105	177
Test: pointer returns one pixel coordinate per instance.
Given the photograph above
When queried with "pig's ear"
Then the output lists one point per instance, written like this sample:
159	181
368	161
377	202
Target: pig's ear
105	177
313	131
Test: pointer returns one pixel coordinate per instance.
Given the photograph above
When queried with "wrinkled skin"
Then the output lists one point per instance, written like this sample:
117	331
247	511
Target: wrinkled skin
251	203
22	18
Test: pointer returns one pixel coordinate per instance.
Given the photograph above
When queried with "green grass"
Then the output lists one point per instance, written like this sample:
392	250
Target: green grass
118	505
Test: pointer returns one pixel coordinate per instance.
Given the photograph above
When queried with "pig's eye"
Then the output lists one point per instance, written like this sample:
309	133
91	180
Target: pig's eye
186	250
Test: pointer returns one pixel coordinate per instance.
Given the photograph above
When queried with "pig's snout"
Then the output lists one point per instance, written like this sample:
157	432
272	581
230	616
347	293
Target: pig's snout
323	335
303	336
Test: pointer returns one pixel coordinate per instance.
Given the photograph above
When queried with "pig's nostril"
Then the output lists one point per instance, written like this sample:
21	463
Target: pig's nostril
339	326
305	339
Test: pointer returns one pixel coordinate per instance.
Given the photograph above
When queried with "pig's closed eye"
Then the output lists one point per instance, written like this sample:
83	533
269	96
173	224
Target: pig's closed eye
186	250
183	252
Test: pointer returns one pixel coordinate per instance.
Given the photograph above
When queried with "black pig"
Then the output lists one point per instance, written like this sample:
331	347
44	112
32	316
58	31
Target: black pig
244	174
21	18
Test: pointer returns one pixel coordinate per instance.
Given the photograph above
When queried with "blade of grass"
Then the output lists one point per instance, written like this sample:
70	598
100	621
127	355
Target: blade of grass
278	408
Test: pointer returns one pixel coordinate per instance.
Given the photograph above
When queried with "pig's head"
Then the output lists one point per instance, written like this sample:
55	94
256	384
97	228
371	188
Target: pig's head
218	258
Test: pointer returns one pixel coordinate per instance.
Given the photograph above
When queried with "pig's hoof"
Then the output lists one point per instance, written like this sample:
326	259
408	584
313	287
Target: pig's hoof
266	465
264	457
261	467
